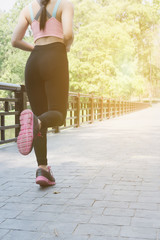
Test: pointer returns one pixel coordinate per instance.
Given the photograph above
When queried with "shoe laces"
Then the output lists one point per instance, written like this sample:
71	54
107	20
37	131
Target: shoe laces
39	134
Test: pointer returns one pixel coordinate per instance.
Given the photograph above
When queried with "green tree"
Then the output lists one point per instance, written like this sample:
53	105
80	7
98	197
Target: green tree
12	61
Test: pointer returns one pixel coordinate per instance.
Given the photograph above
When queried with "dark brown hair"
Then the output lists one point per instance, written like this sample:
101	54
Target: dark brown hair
43	17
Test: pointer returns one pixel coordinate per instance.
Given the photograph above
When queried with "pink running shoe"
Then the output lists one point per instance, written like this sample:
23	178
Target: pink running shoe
29	129
45	178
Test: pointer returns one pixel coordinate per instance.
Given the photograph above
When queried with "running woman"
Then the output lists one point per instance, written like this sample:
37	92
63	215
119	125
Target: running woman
46	76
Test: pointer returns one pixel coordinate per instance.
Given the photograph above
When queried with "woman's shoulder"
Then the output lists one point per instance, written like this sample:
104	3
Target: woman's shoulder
31	3
68	3
26	10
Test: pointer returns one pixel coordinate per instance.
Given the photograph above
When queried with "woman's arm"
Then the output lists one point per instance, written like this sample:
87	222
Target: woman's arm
19	32
67	23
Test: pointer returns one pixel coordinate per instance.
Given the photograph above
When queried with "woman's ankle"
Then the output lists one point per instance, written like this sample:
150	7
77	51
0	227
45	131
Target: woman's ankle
45	167
39	123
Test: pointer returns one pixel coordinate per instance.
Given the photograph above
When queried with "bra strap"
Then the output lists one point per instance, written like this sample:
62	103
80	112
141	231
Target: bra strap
31	12
39	13
56	8
40	10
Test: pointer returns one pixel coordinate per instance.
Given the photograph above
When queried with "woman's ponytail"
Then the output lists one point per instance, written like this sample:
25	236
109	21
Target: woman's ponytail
43	17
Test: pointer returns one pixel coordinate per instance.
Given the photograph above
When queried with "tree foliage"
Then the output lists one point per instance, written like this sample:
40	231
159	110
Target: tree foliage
114	51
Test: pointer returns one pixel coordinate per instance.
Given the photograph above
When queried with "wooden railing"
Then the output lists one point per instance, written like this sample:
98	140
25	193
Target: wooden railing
82	109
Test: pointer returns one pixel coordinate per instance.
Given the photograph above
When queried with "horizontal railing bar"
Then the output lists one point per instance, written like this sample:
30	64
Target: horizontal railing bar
70	118
72	100
9	127
87	115
9	99
9	113
10	87
71	110
8	141
74	94
85	109
85	95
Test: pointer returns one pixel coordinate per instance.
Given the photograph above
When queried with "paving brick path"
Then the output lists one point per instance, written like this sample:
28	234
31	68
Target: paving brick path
108	184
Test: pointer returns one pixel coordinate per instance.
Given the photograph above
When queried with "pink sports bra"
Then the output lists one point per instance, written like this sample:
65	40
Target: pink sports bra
53	26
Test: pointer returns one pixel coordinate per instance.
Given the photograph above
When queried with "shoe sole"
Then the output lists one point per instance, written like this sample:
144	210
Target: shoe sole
25	137
42	181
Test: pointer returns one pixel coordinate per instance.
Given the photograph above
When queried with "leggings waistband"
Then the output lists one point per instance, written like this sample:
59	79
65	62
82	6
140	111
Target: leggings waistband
49	46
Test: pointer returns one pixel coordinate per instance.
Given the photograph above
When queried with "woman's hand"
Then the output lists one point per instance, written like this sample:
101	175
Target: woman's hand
67	23
68	49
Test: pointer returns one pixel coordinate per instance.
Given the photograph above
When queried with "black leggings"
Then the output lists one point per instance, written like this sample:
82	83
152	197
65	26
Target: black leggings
47	83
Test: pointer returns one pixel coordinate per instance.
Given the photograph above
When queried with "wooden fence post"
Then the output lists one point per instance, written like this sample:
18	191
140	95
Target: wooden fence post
122	107
20	105
2	125
125	108
101	102
114	108
77	112
109	108
92	108
119	108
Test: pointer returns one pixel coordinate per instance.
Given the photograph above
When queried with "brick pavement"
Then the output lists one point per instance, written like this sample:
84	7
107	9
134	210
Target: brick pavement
108	184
